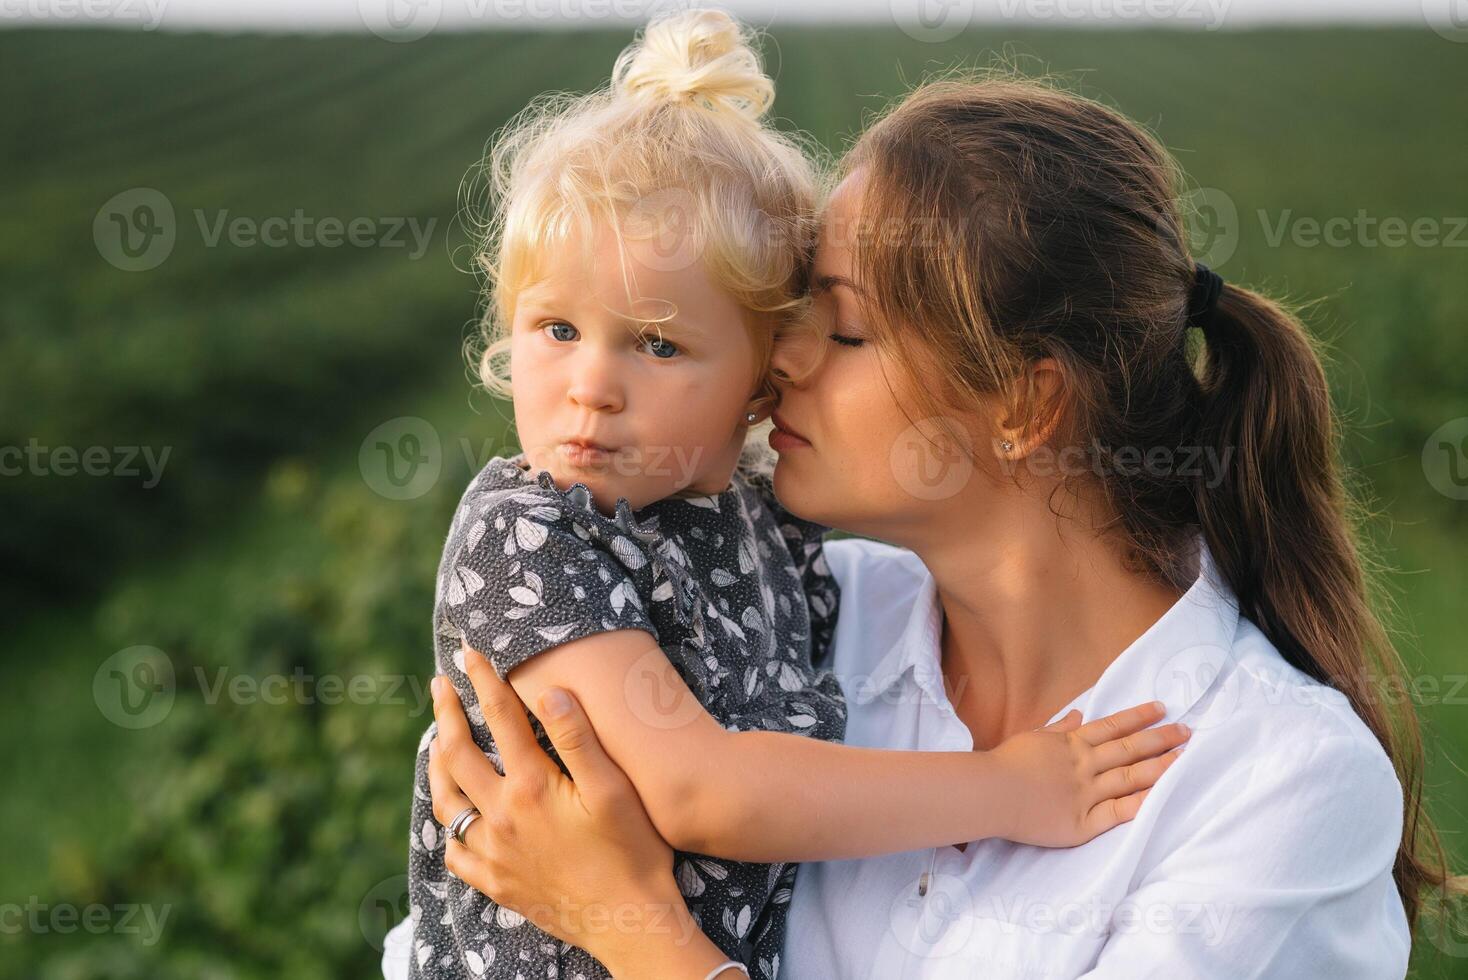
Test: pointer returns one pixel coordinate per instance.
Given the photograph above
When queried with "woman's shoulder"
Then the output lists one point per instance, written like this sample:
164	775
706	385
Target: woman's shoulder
1286	709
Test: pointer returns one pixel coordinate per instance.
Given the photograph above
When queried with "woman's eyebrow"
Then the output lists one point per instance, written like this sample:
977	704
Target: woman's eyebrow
826	282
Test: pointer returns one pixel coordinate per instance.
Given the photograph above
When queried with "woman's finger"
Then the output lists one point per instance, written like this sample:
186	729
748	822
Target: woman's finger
448	800
596	776
504	713
466	764
1140	745
1122	723
1128	780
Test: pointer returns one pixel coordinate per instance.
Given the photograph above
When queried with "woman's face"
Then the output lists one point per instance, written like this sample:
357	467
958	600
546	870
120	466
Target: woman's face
854	453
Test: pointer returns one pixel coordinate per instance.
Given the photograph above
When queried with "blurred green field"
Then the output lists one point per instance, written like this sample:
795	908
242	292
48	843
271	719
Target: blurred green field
271	835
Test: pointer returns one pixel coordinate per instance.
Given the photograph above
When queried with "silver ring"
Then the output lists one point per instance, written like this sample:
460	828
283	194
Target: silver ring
461	823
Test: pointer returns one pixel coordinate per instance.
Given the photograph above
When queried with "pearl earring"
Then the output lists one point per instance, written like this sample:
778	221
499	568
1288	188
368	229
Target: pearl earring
750	417
1007	446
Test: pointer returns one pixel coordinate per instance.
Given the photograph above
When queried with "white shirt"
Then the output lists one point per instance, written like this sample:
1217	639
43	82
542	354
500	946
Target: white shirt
1266	850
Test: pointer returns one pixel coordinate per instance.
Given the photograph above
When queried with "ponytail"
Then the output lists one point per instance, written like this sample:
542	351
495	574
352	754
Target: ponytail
1281	529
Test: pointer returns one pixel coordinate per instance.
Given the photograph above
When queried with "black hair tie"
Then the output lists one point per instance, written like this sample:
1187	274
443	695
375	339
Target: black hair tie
1203	299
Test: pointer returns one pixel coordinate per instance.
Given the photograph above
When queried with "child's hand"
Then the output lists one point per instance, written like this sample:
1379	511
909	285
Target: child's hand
1068	782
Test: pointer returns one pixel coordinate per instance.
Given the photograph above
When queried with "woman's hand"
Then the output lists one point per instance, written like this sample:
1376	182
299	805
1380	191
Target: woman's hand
580	859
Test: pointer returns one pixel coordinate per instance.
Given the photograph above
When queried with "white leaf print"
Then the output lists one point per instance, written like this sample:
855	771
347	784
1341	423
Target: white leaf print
578	592
722	577
555	633
508	918
751	681
524	596
708	503
425	953
517	612
475	533
544	513
477	619
737	926
801	721
429	834
746	557
627	553
463	583
663	592
753	619
617	599
475	961
459	659
790	678
713	869
690	882
500	642
529	535
534	582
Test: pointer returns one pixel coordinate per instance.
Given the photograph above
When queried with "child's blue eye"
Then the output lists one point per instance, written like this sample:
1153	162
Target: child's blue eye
662	348
561	331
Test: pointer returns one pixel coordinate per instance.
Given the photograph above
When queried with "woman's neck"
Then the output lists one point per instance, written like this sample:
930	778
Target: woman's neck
1034	610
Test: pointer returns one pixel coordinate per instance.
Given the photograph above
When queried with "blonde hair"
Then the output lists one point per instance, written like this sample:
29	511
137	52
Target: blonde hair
677	134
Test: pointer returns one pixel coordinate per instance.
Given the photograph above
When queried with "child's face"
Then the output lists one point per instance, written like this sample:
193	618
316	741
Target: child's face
663	403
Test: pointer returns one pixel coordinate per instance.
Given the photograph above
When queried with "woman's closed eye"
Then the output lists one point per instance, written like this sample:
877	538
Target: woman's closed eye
847	341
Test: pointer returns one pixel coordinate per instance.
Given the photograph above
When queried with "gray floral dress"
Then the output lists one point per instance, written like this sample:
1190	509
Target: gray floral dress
736	592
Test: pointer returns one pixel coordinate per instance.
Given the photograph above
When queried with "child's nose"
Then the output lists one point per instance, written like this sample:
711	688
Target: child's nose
596	386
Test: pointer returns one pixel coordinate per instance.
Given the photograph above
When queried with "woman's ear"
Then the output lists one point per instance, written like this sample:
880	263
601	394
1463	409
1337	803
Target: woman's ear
1032	409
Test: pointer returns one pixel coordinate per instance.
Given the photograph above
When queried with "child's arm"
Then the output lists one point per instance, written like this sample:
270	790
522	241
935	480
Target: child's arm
772	796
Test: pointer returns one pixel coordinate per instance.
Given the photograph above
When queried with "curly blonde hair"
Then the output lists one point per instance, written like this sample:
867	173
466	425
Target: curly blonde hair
676	144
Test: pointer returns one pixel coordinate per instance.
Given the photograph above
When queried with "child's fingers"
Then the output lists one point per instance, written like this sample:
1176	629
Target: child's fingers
1127	780
1140	745
1109	813
1069	723
1121	723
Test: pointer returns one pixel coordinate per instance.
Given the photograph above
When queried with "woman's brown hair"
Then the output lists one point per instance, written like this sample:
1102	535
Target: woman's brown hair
1013	222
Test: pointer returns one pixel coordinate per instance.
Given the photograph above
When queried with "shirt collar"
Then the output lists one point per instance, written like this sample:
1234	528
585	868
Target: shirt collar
1176	661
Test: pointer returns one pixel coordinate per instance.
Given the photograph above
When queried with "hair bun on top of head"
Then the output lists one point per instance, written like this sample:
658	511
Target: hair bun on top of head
700	57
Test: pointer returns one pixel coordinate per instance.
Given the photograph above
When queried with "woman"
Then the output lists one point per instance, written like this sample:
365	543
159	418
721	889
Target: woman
1085	515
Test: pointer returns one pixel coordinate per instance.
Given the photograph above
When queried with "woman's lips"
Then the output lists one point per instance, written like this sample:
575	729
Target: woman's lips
783	438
